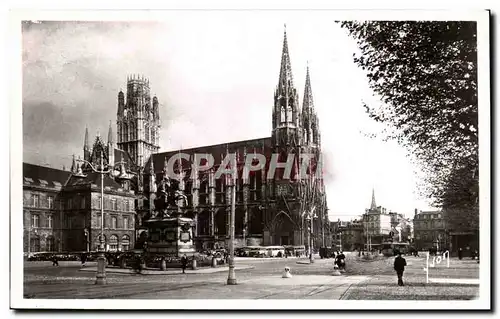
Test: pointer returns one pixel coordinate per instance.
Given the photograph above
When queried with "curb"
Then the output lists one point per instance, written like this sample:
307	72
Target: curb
150	272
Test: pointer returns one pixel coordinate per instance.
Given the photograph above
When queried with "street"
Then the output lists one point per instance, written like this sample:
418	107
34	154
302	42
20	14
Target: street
259	279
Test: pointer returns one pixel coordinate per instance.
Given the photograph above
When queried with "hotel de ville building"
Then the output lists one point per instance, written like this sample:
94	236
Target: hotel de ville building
62	209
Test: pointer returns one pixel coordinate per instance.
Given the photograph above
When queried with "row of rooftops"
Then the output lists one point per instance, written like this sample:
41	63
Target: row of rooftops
51	178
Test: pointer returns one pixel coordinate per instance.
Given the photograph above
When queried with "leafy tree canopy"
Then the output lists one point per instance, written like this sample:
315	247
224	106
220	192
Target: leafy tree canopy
426	76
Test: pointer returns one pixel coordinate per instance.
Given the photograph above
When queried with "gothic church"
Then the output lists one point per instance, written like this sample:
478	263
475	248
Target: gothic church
269	211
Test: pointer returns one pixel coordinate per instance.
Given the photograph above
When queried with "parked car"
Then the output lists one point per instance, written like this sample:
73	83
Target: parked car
275	251
296	251
128	257
257	251
242	251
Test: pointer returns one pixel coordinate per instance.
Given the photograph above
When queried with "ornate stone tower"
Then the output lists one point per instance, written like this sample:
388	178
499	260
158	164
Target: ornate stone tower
138	121
309	122
286	133
311	138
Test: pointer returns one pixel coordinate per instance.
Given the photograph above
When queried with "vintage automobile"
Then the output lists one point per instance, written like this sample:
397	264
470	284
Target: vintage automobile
257	251
296	251
242	251
393	248
275	251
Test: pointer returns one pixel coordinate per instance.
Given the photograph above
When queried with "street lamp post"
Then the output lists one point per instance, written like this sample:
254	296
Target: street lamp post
311	220
340	237
310	217
29	238
101	259
231	278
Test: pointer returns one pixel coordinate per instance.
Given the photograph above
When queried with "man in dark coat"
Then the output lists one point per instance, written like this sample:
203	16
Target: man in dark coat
460	253
55	262
399	267
83	258
341	260
184	262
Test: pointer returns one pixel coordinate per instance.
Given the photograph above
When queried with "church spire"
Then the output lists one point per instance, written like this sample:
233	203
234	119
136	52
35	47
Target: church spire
308	103
86	145
286	105
73	165
110	134
373	205
286	77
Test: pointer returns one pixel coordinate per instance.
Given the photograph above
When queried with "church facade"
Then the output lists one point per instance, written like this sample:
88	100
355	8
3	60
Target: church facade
271	209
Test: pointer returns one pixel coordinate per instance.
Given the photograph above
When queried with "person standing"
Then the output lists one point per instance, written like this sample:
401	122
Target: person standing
184	262
83	258
55	262
399	267
341	260
460	253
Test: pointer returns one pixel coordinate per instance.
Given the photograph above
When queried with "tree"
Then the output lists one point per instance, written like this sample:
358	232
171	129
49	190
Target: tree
425	74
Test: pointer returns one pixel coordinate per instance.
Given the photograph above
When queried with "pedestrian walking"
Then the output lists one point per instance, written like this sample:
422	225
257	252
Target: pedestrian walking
138	264
399	267
184	262
83	258
460	253
341	260
55	262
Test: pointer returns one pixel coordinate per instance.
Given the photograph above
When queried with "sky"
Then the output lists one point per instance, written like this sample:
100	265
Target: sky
214	74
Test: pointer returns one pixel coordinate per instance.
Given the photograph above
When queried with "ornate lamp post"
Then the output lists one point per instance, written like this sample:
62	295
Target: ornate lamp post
310	218
231	278
340	237
101	259
29	238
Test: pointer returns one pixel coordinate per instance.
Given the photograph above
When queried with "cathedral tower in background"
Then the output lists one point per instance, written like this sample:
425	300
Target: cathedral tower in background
138	121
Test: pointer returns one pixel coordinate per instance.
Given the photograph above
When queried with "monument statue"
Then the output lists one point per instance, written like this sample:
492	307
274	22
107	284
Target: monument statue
180	198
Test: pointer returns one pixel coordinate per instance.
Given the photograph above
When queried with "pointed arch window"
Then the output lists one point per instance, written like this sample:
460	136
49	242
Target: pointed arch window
314	134
132	131
289	115
125	132
283	115
146	132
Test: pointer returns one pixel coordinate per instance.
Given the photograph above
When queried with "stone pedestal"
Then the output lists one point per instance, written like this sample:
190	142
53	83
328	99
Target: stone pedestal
163	264
195	264
170	237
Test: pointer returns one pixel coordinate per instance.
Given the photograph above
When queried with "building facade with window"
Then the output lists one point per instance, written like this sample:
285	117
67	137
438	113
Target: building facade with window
62	211
42	208
377	225
429	228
